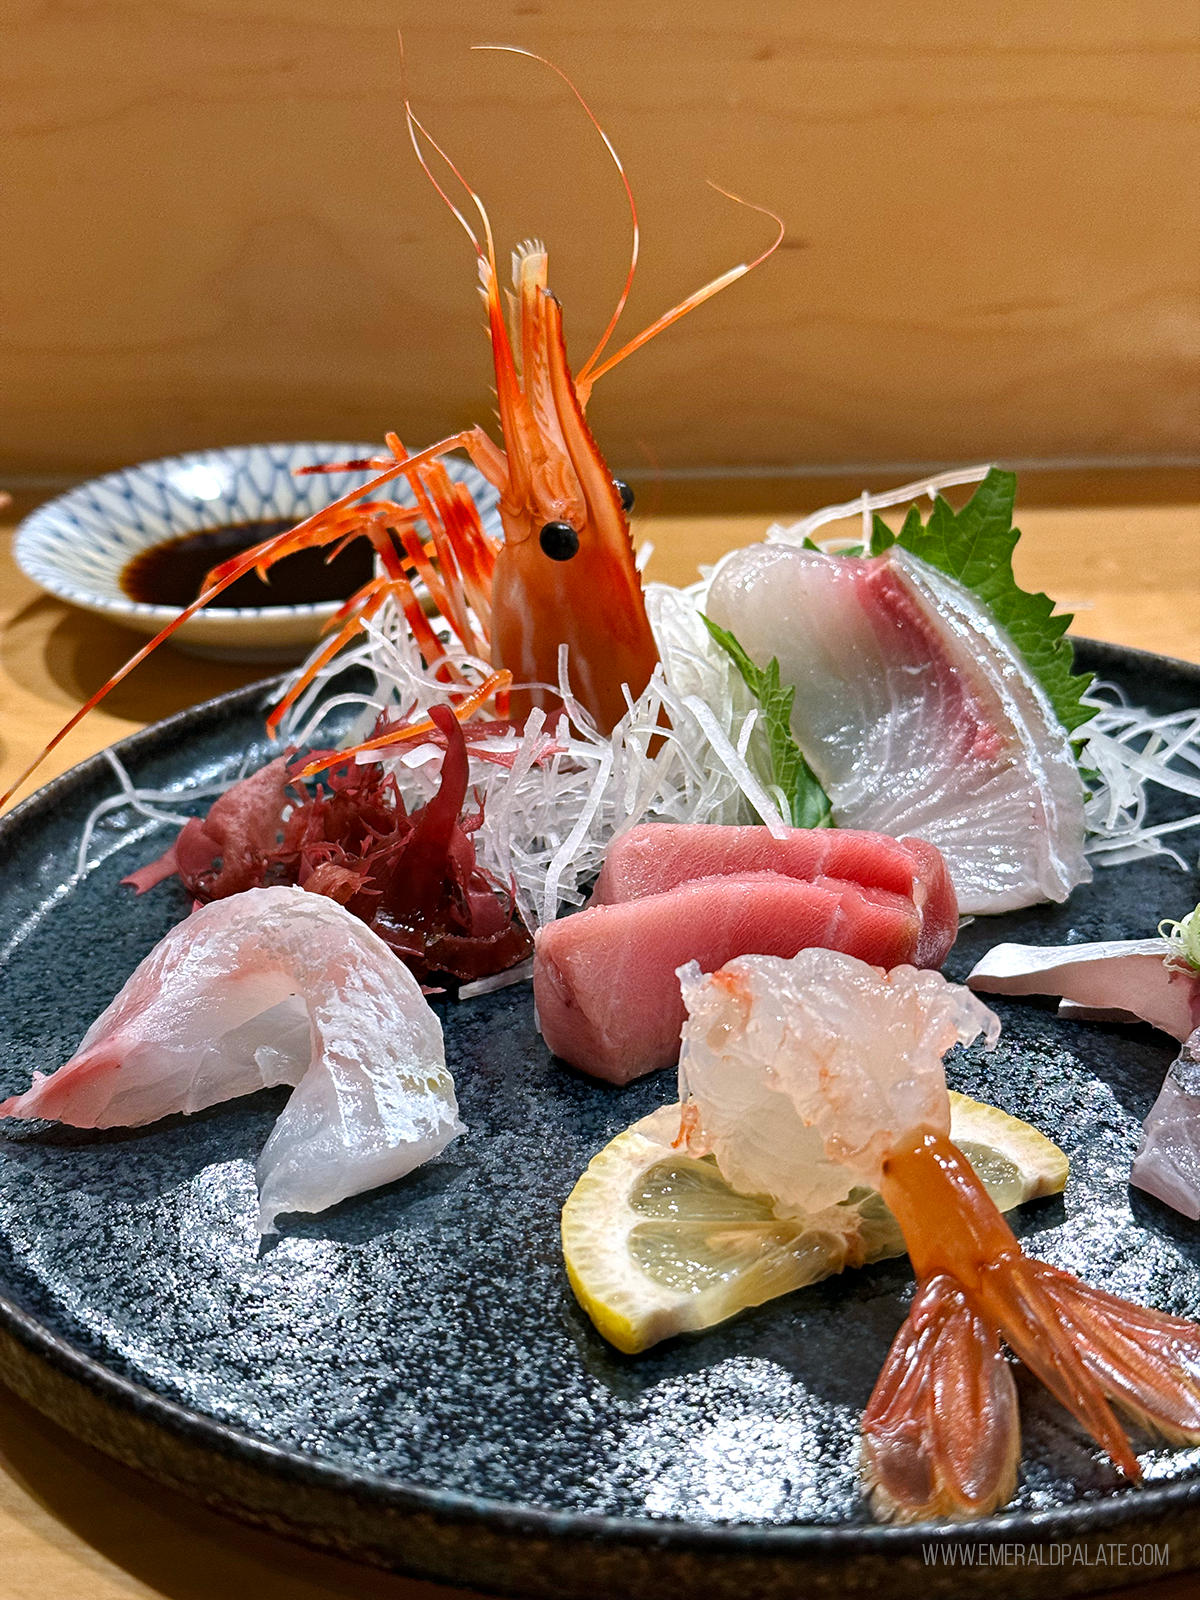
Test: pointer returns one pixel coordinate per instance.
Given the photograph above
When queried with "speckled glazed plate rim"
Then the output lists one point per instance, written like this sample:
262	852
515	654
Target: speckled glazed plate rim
34	1359
1085	1517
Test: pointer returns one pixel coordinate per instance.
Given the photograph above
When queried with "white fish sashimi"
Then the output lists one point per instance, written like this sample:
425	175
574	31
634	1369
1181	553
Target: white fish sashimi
917	714
268	987
1133	978
1167	1163
1126	980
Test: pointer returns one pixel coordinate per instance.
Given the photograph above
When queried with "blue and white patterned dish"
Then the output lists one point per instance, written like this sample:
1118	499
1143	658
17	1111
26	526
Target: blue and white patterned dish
77	546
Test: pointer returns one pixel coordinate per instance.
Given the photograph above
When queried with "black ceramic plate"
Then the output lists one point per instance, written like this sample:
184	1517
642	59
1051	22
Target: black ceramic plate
407	1377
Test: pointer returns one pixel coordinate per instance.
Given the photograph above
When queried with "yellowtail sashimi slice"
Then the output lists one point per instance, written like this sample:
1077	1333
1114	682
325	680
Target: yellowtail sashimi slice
916	713
272	986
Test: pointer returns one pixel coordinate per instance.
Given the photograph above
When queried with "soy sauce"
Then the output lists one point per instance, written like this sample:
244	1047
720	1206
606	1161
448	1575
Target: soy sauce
172	573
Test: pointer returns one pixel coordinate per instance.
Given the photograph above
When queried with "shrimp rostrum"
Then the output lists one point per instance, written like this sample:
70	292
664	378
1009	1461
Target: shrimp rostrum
564	573
809	1077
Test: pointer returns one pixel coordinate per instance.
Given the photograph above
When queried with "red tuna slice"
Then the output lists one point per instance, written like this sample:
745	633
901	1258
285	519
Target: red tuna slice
604	981
661	855
917	714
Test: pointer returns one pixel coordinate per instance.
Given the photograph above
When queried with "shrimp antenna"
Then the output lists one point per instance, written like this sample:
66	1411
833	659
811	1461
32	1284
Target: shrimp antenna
508	387
251	559
415	126
701	295
515	50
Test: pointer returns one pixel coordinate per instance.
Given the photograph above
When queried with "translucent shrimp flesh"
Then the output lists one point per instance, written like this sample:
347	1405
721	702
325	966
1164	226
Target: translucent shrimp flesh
805	1078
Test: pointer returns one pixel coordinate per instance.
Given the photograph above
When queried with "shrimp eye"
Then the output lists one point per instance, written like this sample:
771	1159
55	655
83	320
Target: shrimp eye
559	541
626	494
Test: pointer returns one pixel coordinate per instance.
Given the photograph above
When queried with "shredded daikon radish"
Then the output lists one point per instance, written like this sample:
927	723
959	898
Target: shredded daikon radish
498	980
689	749
1126	748
685	751
146	803
866	504
549	817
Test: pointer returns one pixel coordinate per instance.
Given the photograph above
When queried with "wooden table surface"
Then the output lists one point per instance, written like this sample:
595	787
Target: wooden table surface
1124	553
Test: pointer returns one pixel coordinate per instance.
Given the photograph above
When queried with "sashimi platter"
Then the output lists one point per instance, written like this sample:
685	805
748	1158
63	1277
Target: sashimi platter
593	1087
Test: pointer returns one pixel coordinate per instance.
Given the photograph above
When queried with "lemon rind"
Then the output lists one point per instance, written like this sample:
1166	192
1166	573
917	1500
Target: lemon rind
632	1311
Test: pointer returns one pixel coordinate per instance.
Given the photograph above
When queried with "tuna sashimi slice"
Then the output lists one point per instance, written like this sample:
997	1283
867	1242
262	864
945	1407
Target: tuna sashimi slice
604	980
268	987
1122	975
657	856
1167	1163
917	714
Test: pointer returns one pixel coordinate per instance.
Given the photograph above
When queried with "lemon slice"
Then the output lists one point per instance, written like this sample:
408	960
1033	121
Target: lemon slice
657	1243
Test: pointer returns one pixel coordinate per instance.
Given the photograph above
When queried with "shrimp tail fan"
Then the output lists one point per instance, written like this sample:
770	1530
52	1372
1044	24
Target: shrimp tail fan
941	1434
1090	1347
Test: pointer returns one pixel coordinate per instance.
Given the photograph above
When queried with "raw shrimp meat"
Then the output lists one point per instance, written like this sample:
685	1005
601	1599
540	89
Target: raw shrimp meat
268	987
916	713
808	1077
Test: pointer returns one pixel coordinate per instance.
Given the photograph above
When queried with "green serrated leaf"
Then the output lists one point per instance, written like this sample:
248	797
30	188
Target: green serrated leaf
975	547
806	801
882	537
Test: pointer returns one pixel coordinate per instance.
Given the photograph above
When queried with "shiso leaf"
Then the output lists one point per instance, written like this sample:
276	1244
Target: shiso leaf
807	803
975	547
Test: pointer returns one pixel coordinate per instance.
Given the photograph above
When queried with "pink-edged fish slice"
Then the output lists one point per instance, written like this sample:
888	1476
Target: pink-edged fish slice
1134	977
268	987
604	980
917	714
653	857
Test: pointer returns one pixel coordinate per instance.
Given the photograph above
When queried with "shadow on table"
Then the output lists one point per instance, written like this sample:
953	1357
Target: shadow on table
178	1549
64	655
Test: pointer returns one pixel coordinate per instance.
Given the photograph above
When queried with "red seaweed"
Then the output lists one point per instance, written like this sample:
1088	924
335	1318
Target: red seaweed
413	879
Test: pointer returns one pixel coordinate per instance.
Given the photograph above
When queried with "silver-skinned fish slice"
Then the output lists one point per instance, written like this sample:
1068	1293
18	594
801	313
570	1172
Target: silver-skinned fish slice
268	987
1109	980
1167	1163
917	714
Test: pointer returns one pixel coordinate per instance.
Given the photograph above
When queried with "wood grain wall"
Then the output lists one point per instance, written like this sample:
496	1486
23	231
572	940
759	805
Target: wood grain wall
214	228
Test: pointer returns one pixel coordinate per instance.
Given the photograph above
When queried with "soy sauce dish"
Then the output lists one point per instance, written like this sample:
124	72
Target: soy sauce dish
134	545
